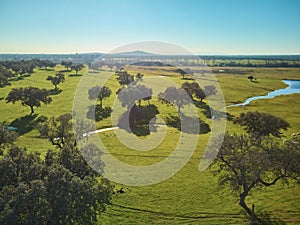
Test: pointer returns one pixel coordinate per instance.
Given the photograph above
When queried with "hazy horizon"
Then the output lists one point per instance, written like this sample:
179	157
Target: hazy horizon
204	54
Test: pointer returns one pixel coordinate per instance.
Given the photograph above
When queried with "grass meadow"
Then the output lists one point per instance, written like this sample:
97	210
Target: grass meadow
190	196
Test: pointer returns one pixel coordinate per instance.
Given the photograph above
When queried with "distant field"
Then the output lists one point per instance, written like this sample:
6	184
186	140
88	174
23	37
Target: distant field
190	196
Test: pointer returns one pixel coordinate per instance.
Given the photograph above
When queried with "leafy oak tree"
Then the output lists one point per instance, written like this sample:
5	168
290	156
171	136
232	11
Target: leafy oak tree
181	72
67	64
99	93
260	125
5	74
259	158
130	95
29	96
77	67
58	130
175	96
245	165
57	79
195	91
35	191
124	77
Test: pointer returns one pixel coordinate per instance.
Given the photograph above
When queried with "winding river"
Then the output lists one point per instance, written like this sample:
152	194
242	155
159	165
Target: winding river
293	87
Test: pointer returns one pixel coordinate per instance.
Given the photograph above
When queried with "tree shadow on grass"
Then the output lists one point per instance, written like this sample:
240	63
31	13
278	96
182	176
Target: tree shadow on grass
210	113
65	71
4	85
189	124
16	78
97	113
137	120
27	123
265	218
188	78
75	75
48	69
55	91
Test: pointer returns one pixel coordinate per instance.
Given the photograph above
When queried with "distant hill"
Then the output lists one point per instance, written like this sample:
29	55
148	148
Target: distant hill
134	53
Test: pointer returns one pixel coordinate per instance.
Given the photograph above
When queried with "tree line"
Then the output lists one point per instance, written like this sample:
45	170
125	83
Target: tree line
16	69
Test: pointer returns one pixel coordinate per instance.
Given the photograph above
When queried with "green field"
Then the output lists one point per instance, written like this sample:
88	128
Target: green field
190	196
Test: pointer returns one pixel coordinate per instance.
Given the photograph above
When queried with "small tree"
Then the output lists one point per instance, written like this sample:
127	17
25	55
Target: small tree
193	90
174	96
57	79
124	78
139	76
132	94
67	64
99	93
58	130
251	78
210	90
181	72
77	67
30	96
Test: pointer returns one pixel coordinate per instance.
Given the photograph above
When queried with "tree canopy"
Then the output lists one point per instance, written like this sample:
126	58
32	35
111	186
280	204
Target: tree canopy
182	72
259	158
174	96
260	124
33	191
100	93
30	96
57	79
5	74
132	94
246	164
77	67
124	77
58	130
66	64
6	137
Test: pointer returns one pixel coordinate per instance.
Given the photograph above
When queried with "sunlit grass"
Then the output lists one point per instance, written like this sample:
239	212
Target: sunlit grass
190	196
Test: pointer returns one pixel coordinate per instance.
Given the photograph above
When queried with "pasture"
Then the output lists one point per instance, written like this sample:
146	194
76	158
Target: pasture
190	196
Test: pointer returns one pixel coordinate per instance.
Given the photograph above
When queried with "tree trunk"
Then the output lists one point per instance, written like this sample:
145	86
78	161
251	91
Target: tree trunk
243	204
32	110
179	111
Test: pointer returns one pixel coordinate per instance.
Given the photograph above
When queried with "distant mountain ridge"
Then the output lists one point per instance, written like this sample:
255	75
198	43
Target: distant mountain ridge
135	53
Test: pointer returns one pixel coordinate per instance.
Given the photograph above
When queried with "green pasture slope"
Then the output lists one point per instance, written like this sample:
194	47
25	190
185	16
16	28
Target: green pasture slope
190	196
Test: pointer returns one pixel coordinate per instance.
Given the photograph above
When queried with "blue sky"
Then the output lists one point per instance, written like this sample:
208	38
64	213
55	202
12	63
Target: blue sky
207	27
